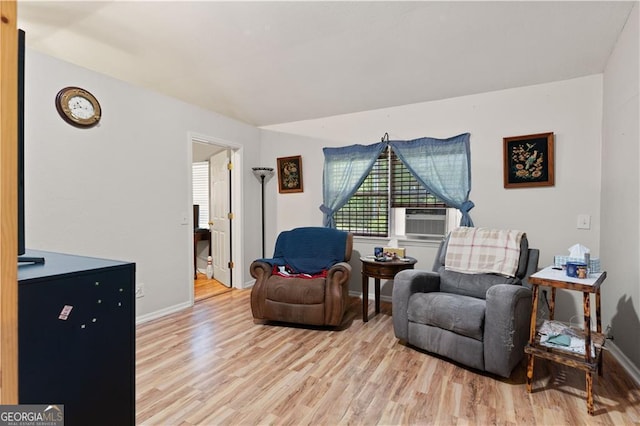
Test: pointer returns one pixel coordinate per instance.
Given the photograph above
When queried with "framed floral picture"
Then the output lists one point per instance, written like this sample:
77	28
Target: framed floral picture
528	160
290	174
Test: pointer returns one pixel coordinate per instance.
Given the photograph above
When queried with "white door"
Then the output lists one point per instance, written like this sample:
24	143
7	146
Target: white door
220	209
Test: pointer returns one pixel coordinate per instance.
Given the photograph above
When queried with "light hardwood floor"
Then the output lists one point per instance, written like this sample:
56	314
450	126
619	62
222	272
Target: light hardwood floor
211	364
204	288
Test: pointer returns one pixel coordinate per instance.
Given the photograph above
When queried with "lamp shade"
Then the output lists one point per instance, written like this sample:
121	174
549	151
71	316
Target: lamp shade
262	172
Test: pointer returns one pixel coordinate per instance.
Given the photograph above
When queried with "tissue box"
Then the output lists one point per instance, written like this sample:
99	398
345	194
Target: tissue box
400	252
594	263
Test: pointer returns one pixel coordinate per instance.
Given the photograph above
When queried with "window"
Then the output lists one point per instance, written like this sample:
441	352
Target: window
200	179
367	211
383	198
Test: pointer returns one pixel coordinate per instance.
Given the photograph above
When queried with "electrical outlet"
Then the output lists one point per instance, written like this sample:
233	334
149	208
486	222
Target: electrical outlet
608	332
140	290
184	218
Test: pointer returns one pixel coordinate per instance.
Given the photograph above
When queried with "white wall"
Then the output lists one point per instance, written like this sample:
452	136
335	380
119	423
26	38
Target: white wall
297	208
571	109
119	190
620	239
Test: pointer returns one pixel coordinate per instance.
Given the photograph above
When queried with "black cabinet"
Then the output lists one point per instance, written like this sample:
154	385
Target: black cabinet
76	336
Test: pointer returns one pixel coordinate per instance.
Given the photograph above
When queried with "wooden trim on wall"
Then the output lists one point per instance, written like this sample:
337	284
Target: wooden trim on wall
8	203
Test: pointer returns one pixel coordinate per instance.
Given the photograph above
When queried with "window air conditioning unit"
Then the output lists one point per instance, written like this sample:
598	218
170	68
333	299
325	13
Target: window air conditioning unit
426	223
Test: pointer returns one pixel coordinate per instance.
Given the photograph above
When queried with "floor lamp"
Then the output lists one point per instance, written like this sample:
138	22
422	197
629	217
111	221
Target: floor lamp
263	174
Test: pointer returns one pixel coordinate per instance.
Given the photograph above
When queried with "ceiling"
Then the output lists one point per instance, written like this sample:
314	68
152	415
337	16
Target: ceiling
274	62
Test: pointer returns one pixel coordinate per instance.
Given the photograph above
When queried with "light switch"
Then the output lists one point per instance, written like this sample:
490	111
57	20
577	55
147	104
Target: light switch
584	221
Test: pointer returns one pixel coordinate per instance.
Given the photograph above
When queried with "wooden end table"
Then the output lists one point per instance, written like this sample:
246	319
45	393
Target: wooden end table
372	268
550	277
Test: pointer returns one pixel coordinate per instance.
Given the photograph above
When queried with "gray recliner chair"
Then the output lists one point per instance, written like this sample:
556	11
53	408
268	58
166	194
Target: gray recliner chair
479	320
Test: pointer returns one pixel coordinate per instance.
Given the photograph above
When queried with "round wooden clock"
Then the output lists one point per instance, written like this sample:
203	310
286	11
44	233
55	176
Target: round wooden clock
78	107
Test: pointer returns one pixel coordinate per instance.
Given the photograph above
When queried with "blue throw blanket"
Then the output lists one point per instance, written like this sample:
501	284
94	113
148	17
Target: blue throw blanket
309	250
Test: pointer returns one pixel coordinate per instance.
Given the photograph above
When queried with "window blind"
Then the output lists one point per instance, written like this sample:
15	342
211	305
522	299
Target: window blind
200	178
367	212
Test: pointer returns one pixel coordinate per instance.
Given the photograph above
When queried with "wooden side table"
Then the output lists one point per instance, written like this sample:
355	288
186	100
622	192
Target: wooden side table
556	279
371	268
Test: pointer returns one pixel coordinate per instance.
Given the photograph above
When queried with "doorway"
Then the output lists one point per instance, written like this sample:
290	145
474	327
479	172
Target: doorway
216	231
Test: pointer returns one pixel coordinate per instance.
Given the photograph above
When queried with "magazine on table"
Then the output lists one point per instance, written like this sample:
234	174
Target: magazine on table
558	335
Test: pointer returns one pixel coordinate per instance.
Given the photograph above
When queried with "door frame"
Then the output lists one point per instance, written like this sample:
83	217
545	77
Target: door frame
236	237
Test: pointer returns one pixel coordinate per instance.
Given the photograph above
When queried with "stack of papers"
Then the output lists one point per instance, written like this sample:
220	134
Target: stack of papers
555	334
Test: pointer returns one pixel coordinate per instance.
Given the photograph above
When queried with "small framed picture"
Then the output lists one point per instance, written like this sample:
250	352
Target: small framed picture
290	174
528	160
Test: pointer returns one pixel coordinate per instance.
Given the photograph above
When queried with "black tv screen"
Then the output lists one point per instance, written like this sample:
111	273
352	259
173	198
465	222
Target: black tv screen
21	243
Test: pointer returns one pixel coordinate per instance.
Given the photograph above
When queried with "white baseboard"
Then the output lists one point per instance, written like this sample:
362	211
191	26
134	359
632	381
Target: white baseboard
625	362
383	298
162	312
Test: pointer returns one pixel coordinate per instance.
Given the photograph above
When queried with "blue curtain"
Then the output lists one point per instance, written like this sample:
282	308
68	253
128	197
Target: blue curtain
344	171
443	166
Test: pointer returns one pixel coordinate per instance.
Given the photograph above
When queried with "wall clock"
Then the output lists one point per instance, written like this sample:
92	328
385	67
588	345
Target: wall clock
78	107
